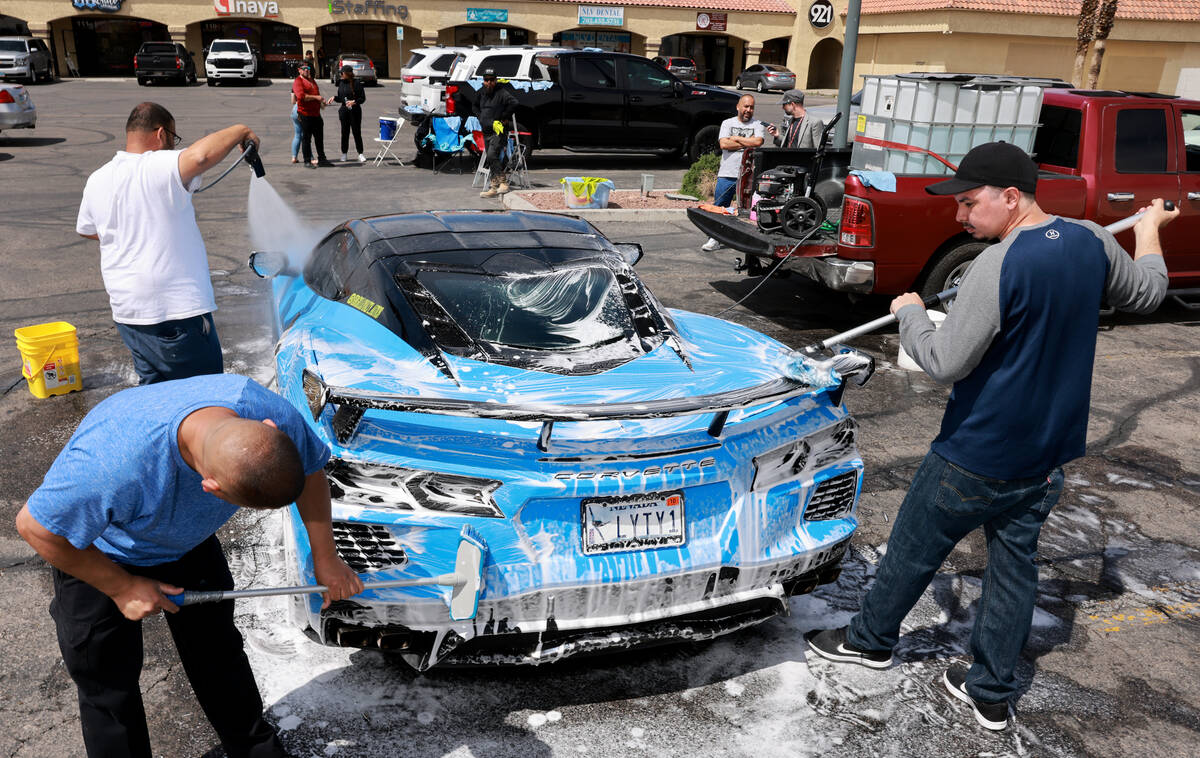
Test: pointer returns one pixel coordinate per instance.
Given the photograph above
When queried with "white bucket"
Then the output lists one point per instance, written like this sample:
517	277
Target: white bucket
903	360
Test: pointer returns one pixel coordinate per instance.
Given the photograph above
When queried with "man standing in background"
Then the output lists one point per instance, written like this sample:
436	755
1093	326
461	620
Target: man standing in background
152	257
737	134
799	130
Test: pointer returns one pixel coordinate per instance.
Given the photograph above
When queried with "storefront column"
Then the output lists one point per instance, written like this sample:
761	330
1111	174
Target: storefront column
753	51
178	34
653	46
429	39
308	41
545	40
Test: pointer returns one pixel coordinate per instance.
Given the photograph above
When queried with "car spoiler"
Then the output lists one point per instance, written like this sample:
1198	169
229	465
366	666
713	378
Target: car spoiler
352	403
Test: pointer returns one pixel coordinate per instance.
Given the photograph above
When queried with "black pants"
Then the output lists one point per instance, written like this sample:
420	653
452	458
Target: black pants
312	127
102	651
351	122
496	144
173	349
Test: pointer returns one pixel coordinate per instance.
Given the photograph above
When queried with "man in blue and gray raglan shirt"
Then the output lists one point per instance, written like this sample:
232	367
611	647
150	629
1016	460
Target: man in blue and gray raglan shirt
1018	346
128	513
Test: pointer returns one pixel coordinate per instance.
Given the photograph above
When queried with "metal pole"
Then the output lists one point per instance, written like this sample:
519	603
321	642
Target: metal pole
846	80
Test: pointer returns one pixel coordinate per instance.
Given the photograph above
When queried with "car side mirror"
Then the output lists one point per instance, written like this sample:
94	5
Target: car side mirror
630	251
678	87
267	263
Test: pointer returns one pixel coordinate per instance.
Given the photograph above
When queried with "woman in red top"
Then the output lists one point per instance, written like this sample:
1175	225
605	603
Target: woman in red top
308	105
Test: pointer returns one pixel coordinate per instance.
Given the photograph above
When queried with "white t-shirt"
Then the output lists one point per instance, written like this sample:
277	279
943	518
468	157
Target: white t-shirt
152	257
731	160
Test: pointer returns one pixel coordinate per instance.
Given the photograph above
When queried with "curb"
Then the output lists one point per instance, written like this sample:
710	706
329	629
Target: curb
515	203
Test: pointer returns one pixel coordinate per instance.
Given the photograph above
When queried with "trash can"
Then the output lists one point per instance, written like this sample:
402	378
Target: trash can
387	128
586	191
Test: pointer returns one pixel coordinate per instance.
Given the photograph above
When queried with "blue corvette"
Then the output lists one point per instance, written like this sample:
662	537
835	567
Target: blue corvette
635	475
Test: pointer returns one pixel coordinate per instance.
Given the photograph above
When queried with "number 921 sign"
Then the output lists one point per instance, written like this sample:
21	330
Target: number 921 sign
820	14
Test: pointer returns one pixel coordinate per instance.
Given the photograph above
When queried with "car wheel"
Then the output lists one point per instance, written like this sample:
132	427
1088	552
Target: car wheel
211	82
253	81
142	81
760	87
707	140
948	271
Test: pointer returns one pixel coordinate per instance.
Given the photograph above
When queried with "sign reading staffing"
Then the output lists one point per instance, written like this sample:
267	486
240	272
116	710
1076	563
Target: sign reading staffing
375	7
488	15
261	8
820	14
108	6
601	15
711	22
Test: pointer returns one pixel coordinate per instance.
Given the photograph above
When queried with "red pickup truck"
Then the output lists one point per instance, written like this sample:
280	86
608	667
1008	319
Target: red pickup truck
1103	156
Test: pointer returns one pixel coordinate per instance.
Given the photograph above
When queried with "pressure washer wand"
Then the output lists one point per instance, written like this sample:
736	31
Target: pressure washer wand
933	301
252	159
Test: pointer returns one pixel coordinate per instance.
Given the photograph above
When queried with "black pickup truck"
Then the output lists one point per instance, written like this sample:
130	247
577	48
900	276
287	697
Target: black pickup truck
598	102
164	60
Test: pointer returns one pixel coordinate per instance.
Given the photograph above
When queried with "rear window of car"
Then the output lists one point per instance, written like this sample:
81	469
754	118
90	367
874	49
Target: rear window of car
503	65
414	59
772	67
12	46
443	62
686	62
1057	141
228	47
158	47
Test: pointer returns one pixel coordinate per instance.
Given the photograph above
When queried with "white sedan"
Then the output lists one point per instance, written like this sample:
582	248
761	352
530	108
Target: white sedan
16	107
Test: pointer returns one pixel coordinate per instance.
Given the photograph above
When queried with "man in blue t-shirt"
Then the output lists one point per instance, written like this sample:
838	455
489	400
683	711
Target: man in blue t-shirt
128	513
1018	346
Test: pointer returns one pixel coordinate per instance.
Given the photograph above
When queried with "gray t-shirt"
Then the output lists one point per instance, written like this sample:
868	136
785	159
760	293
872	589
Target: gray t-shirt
731	160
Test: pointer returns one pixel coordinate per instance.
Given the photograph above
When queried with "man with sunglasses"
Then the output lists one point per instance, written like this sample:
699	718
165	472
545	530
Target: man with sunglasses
152	257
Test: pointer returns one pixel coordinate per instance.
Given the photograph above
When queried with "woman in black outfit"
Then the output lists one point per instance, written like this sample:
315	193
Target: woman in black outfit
351	95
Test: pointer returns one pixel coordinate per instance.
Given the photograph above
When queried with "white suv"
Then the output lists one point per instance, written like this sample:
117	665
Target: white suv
429	65
519	63
25	58
230	59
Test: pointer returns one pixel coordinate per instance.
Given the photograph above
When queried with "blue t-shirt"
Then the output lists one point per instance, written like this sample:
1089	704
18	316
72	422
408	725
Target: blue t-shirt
121	484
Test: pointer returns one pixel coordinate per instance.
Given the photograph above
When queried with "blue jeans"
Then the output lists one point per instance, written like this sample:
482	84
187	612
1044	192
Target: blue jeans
173	349
297	132
723	194
944	504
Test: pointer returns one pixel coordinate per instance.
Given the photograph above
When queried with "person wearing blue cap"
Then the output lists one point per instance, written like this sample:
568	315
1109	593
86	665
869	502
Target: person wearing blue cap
1018	346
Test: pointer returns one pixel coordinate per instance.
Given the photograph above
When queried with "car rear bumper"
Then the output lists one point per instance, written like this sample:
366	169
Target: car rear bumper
171	73
18	119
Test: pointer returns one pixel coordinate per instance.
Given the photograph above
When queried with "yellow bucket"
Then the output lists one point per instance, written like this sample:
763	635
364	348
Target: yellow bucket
50	358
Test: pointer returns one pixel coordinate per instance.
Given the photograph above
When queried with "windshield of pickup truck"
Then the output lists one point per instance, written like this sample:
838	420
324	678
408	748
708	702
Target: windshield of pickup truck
229	47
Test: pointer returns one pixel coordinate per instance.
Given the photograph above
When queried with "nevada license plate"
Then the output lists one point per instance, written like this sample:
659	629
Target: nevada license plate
614	525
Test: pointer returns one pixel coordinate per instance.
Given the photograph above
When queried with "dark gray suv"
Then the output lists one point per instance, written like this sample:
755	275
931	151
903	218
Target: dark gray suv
683	68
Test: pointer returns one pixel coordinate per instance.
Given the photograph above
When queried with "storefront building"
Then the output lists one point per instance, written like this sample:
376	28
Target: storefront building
1154	46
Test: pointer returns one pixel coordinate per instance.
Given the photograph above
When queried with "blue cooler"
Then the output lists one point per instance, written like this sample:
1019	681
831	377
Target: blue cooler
387	128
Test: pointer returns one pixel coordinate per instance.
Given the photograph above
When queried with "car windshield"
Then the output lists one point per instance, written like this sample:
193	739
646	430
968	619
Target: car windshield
228	47
12	46
551	309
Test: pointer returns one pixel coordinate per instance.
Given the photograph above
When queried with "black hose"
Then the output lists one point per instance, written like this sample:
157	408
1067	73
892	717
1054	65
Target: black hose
250	155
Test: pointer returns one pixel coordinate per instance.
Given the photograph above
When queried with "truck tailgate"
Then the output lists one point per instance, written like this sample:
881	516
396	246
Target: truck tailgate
745	236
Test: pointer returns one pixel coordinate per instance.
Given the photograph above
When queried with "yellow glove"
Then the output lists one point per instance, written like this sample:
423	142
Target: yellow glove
497	127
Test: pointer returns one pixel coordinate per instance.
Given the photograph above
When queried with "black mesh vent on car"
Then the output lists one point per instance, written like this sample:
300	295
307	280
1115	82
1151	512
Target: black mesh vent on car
833	498
367	547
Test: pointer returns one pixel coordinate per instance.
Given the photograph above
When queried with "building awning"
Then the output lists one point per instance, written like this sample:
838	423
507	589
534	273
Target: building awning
1128	10
745	6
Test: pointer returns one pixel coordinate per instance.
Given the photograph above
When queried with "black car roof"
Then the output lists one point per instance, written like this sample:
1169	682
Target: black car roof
436	231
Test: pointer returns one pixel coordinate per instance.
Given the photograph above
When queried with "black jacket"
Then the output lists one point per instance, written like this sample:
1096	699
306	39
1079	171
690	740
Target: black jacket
500	105
350	90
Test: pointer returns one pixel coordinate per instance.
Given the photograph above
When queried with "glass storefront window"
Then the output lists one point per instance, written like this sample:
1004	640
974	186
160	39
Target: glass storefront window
106	46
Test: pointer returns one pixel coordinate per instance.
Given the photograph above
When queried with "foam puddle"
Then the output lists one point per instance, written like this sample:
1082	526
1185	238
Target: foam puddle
275	226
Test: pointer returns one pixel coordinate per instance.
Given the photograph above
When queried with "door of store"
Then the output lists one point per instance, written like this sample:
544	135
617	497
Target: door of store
107	46
712	53
371	39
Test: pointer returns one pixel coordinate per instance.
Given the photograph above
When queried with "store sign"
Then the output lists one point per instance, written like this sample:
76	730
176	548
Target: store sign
488	15
261	8
820	14
711	22
601	15
108	6
377	7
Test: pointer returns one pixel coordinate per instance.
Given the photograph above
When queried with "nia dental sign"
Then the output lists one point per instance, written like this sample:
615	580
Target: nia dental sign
262	8
337	7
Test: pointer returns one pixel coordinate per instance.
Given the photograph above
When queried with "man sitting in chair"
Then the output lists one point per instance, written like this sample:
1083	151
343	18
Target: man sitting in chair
495	108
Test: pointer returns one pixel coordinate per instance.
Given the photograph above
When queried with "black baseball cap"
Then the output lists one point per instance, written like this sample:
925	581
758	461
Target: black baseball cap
488	73
995	164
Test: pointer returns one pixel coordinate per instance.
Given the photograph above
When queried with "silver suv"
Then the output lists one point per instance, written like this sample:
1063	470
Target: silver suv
25	58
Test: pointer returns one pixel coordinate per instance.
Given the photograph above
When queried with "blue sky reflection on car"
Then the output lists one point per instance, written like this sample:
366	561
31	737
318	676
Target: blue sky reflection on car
639	474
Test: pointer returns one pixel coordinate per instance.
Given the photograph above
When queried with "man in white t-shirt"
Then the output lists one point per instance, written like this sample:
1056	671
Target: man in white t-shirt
152	258
737	134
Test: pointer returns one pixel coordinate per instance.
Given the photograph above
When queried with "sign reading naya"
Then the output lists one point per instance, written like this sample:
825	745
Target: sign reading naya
601	15
263	8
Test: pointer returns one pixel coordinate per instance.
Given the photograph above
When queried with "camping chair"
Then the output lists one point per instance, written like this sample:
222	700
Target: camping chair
447	140
385	145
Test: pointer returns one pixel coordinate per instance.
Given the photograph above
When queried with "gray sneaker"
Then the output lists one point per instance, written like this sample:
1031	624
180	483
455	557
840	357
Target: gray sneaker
711	245
831	644
992	716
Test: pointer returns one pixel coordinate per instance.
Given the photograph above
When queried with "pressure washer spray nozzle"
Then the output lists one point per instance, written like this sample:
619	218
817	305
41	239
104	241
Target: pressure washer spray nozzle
253	160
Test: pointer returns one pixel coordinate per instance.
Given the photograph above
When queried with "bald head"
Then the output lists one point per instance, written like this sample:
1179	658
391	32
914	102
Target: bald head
256	465
745	108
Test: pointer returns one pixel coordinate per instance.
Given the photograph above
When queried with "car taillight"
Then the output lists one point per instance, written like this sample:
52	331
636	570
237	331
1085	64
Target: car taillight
6	96
409	79
857	223
134	67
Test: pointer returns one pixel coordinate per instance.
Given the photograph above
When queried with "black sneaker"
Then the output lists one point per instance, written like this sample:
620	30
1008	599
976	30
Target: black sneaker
831	644
992	716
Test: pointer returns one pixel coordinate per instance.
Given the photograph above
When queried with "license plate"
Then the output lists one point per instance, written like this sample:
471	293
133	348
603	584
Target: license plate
615	525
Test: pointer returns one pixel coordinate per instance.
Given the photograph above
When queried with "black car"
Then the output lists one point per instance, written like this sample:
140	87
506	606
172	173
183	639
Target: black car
164	60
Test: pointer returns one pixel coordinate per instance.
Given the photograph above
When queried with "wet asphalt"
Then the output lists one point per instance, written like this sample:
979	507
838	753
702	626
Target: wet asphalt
1110	668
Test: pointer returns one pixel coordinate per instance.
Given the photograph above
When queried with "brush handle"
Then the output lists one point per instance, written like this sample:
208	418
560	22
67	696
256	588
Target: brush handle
191	597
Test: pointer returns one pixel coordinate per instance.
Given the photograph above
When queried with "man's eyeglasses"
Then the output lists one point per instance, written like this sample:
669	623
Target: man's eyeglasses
176	139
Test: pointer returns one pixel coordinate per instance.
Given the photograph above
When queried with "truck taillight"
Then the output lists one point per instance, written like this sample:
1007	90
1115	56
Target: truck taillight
178	62
135	63
451	90
857	223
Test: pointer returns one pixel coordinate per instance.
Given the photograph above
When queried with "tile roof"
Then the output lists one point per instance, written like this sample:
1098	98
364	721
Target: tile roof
756	6
1131	10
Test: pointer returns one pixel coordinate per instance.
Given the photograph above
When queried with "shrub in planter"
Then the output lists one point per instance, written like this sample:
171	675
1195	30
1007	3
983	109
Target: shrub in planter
701	178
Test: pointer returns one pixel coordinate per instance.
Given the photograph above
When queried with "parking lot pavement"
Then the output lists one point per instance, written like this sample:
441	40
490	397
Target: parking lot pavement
1110	668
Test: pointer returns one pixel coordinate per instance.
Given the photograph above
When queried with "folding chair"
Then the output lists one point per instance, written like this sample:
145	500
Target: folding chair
518	169
446	140
385	145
